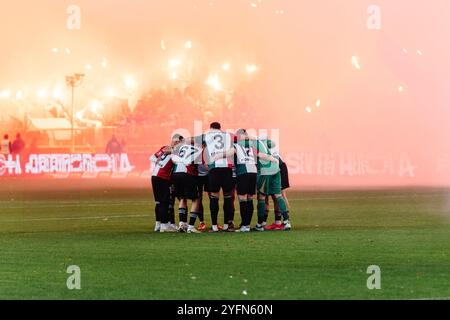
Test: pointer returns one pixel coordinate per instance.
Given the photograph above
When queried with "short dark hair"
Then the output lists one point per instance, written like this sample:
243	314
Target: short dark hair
215	125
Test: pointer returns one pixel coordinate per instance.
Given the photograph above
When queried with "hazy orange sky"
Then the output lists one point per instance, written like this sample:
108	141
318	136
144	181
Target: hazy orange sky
303	54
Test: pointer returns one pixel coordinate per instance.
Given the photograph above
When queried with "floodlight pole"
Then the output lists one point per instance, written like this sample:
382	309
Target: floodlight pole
72	136
73	81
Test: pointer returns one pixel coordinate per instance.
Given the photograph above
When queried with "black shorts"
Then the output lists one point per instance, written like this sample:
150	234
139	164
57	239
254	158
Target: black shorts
246	184
220	178
202	184
161	189
284	176
185	186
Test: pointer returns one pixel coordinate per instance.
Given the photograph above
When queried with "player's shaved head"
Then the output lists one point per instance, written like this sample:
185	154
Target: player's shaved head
216	126
241	134
177	137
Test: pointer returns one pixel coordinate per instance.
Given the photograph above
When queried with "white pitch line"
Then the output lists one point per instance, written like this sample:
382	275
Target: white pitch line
362	198
128	202
439	298
81	218
74	202
73	205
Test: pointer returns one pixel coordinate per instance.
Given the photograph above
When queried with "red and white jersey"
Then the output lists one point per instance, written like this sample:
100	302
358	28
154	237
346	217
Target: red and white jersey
163	164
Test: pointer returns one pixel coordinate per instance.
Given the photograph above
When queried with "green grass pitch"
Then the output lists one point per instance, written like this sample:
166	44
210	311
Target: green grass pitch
336	236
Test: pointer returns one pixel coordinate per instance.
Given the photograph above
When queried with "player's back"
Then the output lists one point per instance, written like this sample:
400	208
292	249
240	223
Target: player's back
218	142
245	158
163	164
266	167
185	157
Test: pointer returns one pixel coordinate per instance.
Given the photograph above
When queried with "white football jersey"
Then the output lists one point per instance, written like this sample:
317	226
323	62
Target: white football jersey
245	157
185	156
218	142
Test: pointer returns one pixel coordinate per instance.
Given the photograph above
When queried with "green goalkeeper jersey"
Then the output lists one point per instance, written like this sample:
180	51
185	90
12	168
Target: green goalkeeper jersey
266	167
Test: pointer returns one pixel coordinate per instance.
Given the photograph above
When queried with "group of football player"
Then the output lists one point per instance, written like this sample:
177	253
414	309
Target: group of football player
219	161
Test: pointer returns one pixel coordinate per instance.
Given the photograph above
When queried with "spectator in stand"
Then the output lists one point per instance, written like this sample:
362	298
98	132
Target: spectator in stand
6	145
18	145
124	146
114	146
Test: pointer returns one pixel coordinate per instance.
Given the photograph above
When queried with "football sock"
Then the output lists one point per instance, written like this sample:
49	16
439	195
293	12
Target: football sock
164	212
171	213
214	207
277	217
171	208
228	209
193	218
283	208
250	209
158	216
201	215
182	213
172	216
261	211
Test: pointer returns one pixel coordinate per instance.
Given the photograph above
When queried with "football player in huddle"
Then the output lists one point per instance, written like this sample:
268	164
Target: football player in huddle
278	225
246	170
269	183
185	174
161	184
